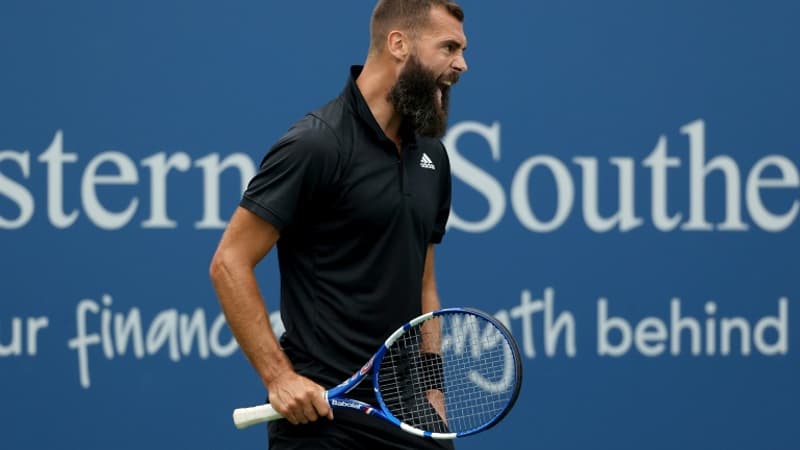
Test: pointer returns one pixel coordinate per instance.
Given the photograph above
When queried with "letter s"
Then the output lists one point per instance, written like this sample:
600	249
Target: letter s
472	175
15	191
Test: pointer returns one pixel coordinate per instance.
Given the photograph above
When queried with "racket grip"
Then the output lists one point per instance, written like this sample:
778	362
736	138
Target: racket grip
245	417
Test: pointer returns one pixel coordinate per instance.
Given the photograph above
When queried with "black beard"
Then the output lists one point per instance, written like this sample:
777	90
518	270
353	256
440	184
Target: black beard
414	98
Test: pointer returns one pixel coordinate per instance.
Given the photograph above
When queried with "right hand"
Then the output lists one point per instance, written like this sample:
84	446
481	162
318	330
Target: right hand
298	399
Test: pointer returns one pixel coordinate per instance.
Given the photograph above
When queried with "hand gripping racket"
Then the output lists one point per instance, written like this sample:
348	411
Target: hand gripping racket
446	374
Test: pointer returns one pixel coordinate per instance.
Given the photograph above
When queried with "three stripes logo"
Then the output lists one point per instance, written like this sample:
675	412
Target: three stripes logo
426	162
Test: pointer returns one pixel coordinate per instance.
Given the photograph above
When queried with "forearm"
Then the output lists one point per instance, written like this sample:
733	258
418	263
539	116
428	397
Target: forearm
431	342
430	301
430	295
244	309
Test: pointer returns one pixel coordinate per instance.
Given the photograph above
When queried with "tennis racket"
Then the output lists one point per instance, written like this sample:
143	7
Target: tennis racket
445	374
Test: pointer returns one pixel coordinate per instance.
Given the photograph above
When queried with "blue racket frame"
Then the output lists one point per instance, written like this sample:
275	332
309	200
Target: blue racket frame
335	398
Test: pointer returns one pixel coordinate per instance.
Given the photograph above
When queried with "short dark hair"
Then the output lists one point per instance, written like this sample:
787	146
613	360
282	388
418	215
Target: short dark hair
409	15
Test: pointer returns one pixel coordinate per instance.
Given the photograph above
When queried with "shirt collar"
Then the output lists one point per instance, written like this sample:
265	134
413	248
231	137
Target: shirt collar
352	96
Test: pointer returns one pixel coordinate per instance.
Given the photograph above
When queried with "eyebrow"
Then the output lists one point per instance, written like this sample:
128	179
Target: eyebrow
455	43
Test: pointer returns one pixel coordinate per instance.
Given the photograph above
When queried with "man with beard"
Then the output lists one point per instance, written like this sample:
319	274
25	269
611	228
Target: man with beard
354	195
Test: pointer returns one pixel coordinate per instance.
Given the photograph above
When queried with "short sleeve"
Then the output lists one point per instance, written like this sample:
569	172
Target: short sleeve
445	193
297	170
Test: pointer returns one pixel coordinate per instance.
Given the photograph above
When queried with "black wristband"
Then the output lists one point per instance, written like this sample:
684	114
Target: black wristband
433	371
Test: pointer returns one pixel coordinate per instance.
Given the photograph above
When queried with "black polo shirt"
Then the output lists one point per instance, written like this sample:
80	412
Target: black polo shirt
356	217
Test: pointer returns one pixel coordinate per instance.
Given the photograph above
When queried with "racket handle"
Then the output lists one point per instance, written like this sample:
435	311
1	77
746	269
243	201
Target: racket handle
245	417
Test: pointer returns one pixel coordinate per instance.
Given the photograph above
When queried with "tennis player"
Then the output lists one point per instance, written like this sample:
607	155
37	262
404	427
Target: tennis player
354	195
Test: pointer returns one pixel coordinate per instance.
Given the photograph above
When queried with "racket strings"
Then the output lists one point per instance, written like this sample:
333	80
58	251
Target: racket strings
451	374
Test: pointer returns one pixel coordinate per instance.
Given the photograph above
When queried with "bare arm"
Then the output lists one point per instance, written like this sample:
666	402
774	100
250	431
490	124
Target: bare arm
430	297
246	241
430	302
432	338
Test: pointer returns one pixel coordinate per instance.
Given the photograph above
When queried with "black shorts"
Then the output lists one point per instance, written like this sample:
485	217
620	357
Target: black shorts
350	430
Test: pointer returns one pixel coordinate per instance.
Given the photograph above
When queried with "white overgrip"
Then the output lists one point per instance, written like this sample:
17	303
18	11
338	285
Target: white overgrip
245	417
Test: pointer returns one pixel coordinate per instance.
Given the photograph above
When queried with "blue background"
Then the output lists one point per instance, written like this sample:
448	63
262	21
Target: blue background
566	79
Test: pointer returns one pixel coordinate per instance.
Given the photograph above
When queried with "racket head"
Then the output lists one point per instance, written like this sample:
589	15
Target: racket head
448	373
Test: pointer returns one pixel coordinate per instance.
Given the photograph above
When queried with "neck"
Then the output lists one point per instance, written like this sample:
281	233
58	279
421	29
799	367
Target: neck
375	82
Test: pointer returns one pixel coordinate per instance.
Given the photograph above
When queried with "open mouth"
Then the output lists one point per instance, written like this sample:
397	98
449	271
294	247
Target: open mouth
442	87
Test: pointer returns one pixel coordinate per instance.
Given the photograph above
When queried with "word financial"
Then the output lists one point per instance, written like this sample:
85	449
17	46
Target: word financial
118	332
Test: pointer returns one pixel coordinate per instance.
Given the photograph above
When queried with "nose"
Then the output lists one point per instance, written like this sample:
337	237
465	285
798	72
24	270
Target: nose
460	64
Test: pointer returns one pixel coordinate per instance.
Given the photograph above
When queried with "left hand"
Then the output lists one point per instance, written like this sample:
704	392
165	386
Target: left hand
436	399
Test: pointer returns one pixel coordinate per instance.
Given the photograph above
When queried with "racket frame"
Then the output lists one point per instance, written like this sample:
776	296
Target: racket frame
245	417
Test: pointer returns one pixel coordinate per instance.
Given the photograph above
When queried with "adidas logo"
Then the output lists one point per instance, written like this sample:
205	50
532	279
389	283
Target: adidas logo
426	162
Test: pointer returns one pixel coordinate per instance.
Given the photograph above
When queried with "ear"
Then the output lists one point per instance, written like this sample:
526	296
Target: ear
398	44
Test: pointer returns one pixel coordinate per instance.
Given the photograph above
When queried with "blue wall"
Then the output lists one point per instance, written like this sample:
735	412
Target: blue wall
669	325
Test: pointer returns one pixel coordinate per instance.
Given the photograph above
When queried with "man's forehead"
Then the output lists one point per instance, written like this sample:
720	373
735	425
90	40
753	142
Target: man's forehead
443	26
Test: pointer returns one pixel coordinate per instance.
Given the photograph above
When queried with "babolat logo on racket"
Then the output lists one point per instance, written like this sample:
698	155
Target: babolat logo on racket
345	403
